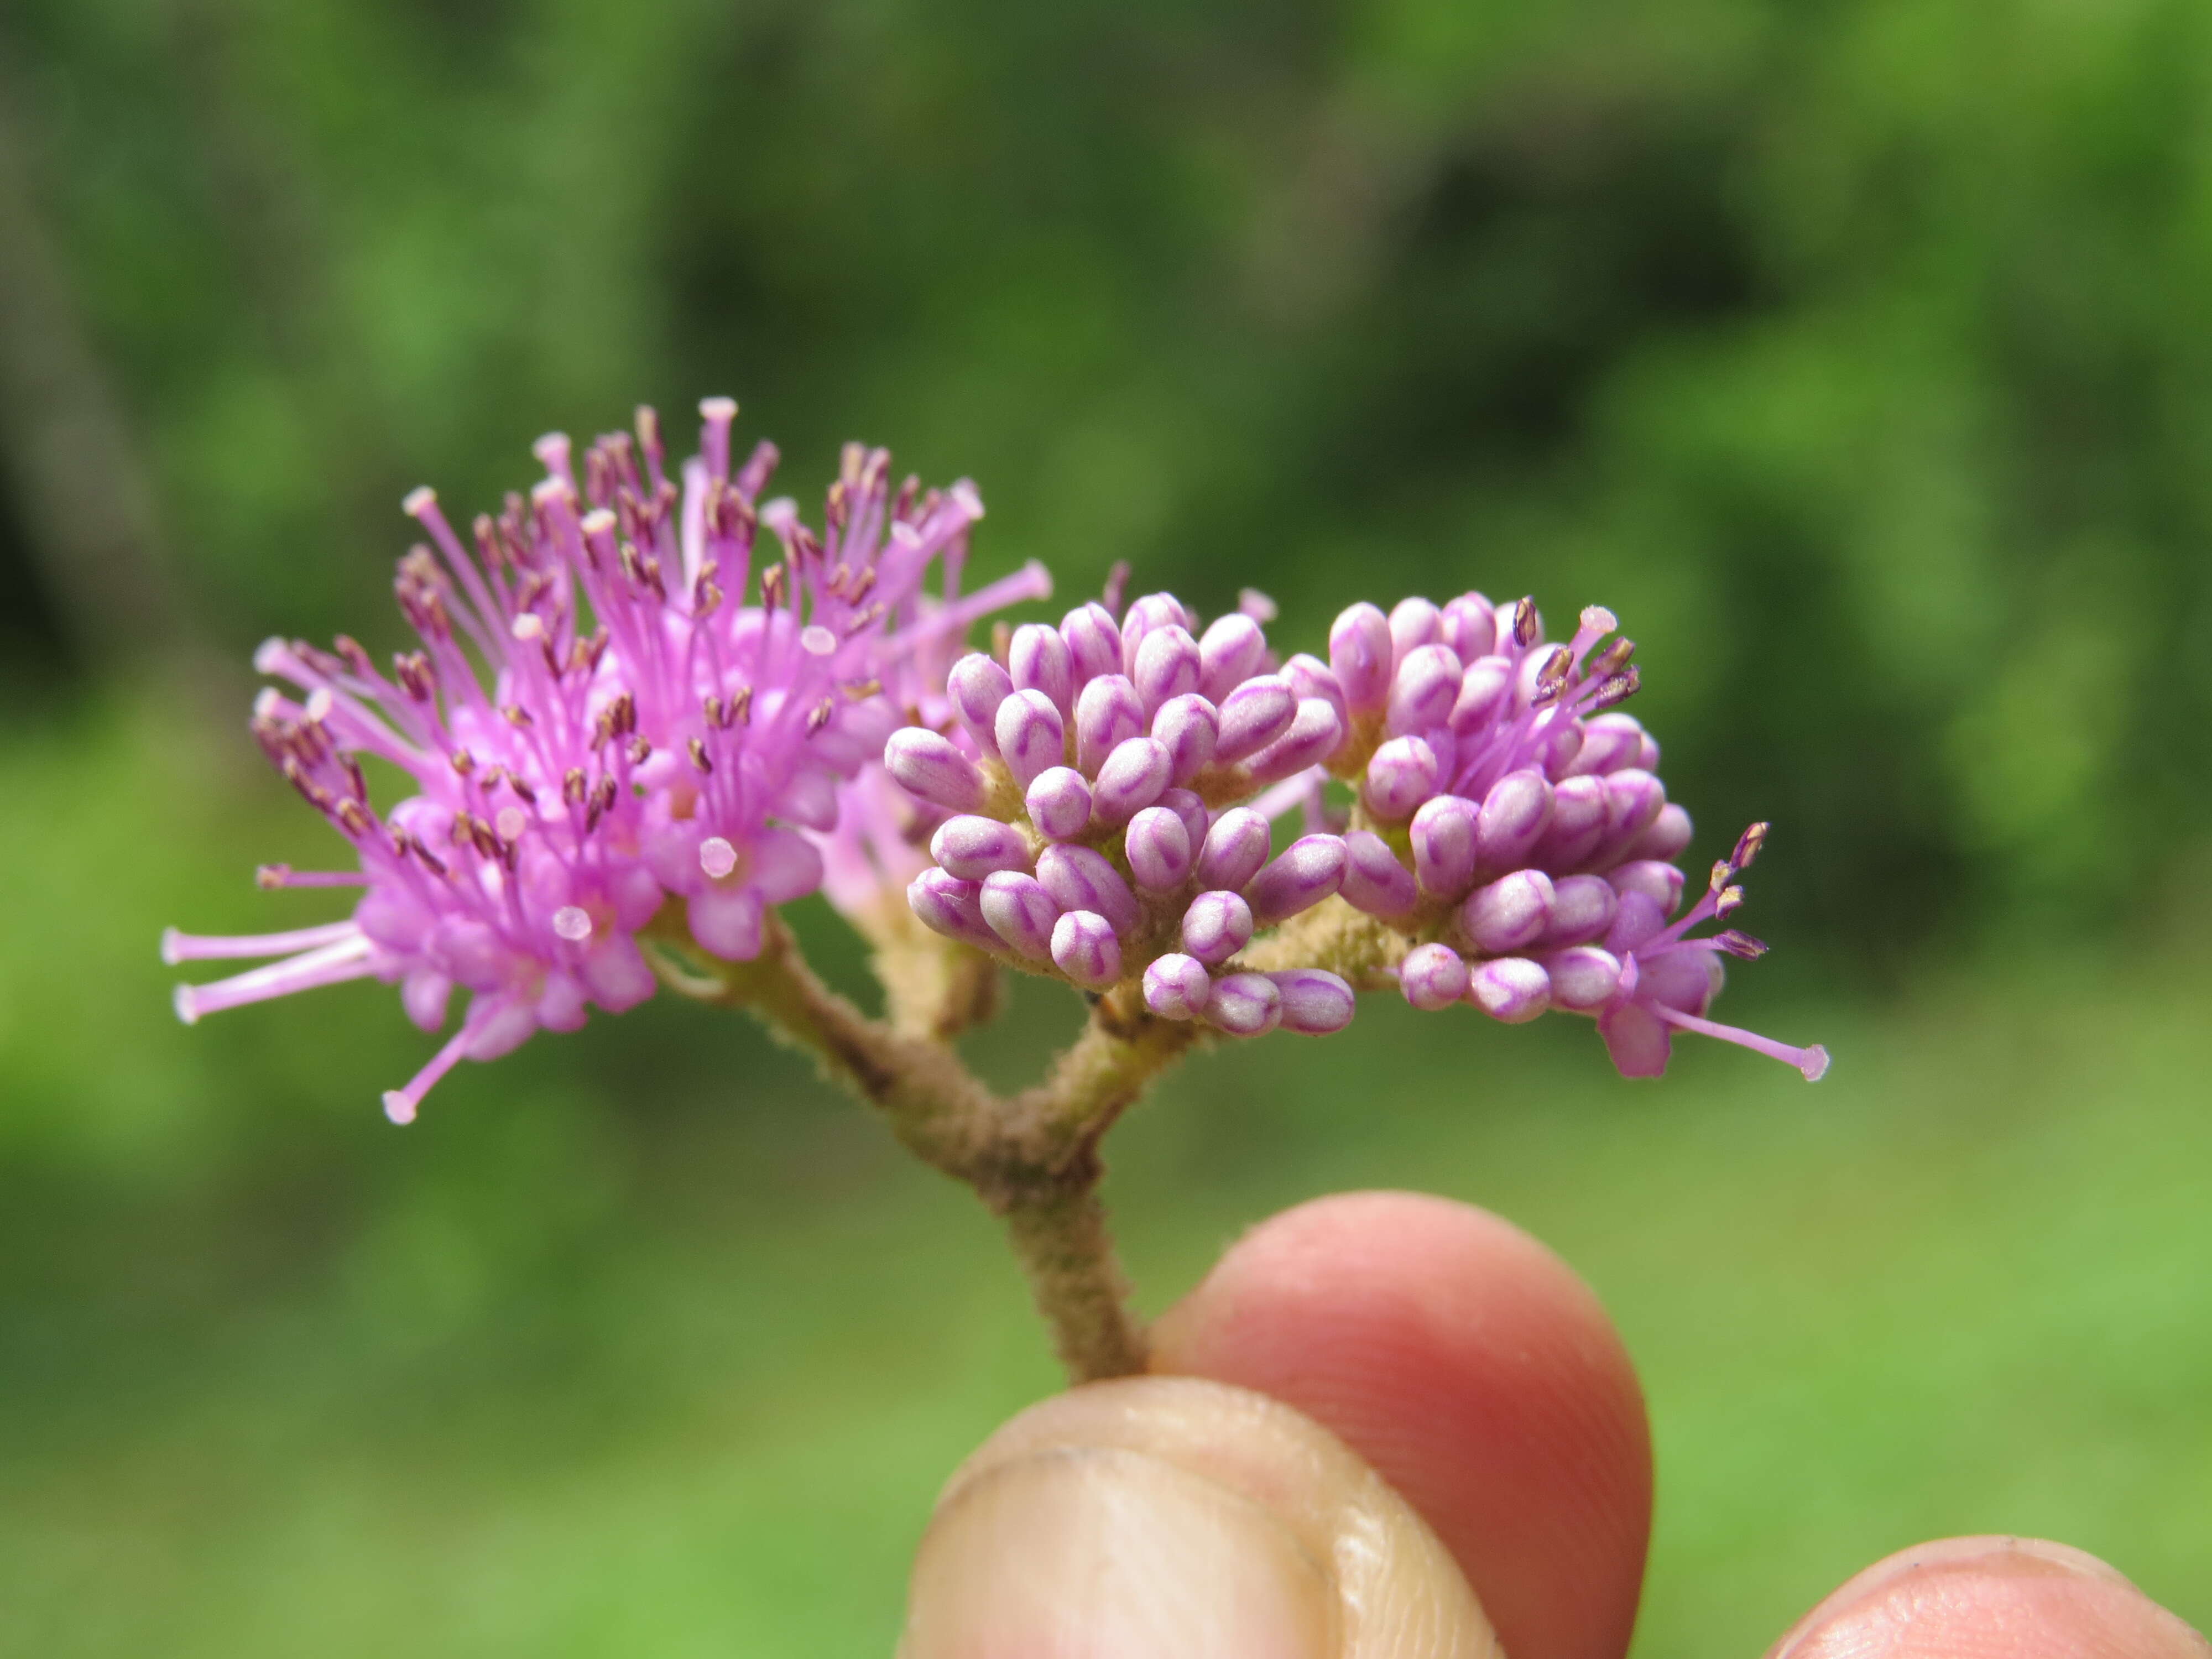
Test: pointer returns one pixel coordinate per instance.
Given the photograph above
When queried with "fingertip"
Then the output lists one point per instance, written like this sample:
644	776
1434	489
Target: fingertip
2025	1598
1475	1370
1171	1516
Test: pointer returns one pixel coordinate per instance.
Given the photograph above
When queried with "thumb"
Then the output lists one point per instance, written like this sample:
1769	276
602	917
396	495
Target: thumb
1171	1516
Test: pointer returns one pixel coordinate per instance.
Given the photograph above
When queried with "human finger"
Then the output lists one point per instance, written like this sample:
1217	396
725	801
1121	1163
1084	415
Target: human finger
1476	1372
1977	1598
1160	1517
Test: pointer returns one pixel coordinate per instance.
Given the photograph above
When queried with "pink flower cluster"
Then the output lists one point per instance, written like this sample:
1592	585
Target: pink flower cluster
596	720
1106	795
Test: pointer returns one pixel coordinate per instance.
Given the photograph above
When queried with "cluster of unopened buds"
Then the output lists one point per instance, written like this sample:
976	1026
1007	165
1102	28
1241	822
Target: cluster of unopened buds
1108	793
611	712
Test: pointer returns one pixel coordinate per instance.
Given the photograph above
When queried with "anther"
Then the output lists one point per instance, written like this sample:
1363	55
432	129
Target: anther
1524	622
698	752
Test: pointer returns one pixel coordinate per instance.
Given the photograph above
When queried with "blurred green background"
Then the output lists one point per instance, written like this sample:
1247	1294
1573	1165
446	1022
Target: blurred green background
1858	354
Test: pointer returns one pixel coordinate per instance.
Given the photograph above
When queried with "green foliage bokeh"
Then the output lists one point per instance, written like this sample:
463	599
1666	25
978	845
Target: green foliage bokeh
1859	355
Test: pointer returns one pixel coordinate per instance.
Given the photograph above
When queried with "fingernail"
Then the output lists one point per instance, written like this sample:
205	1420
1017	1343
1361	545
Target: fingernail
1101	1552
1949	1558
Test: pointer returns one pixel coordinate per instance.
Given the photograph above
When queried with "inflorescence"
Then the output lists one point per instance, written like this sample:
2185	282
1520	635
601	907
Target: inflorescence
596	721
1109	791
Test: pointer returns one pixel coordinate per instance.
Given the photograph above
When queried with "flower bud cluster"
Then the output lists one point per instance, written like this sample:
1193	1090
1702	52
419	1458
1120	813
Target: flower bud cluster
1089	787
597	721
1509	845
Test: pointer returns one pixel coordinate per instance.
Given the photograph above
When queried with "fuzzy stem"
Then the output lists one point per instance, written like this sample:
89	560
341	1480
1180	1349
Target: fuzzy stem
1060	1238
1032	1159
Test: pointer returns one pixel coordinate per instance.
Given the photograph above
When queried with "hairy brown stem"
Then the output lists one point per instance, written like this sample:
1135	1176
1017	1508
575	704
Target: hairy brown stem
1033	1160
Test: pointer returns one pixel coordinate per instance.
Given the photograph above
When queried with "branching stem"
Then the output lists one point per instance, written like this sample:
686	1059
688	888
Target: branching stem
1033	1158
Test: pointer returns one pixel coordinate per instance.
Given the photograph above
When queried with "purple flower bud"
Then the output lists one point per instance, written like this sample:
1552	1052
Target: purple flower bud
1512	819
1235	848
1400	775
1583	908
1635	924
1159	849
1633	801
1085	948
1610	742
1374	880
1668	834
1309	870
1254	715
1471	626
1018	910
1660	883
1433	976
1316	1003
1582	977
1167	667
1443	846
1510	912
1424	689
1483	693
1577	823
1196	820
1230	654
1177	986
1131	780
1038	660
1060	803
1512	989
1186	726
1310	677
1154	610
1107	715
1081	878
1216	926
1361	655
1414	624
1031	736
1557	742
947	905
974	848
927	765
1244	1005
1094	643
976	686
1315	734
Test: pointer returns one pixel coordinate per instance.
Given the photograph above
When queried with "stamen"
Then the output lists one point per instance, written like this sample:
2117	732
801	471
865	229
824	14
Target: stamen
270	877
178	947
332	964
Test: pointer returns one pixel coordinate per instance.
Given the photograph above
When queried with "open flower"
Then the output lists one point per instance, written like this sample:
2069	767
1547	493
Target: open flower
595	720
